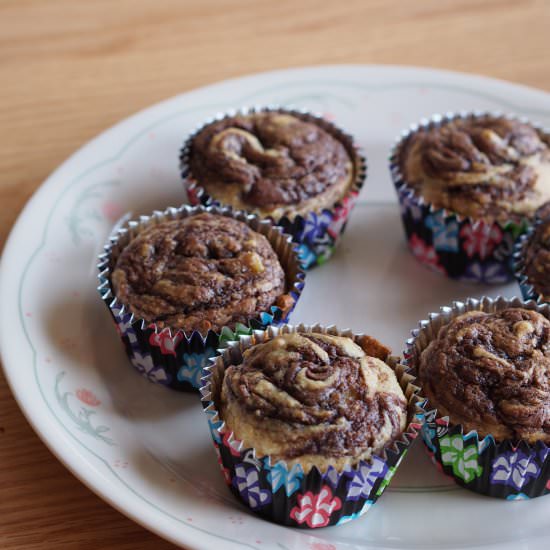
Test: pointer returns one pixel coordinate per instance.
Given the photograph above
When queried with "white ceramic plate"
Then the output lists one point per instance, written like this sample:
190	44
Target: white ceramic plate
147	450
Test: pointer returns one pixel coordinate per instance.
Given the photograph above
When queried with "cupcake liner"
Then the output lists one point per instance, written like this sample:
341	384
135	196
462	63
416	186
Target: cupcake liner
316	233
507	469
287	495
172	357
461	247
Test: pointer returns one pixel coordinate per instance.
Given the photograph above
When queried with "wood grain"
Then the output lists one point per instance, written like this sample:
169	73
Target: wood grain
69	69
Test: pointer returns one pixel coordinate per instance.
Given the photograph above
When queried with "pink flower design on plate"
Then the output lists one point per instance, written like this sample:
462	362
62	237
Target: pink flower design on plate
322	546
111	211
315	510
425	253
87	397
165	341
480	238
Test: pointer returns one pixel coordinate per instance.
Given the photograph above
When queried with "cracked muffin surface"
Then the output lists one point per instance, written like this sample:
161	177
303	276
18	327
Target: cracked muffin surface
202	272
314	399
271	163
485	167
490	372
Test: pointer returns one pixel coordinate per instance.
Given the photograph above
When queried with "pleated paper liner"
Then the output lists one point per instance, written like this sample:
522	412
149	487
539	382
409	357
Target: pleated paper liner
528	291
507	469
460	247
289	496
316	233
174	358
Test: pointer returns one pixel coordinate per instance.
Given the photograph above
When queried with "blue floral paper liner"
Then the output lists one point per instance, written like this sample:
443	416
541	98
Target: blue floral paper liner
174	358
460	247
502	470
317	233
287	495
507	469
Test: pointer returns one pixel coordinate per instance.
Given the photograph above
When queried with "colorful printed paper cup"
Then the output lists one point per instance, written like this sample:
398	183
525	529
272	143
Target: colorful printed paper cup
289	496
172	357
463	248
316	233
506	469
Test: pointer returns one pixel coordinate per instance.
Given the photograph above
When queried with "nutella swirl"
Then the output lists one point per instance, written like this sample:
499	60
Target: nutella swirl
489	167
313	399
198	273
537	260
270	162
490	372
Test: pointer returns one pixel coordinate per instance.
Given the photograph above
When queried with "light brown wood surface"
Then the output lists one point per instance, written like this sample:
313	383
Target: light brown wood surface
69	69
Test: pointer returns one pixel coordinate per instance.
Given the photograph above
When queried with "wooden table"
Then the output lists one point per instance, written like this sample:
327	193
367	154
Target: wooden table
69	69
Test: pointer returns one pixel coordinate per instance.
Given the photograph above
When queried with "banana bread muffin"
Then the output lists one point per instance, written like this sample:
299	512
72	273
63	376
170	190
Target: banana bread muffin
315	400
202	272
485	167
536	263
271	163
490	372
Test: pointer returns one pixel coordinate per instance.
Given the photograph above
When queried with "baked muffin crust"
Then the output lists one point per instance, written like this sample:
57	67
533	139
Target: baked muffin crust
485	167
271	163
537	260
313	399
198	273
490	372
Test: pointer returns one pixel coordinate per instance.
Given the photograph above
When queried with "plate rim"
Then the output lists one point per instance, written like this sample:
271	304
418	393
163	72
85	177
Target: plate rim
71	460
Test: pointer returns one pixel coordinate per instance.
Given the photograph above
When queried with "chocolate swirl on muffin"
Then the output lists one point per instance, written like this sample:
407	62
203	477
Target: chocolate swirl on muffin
272	163
198	273
537	260
490	372
313	399
484	167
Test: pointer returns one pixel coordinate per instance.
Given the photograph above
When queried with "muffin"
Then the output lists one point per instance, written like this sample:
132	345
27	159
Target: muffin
485	368
317	414
468	186
180	283
290	166
199	273
533	262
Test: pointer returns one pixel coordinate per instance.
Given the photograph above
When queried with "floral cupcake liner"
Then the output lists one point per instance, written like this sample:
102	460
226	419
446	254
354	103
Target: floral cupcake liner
527	289
463	248
287	495
317	233
506	469
174	358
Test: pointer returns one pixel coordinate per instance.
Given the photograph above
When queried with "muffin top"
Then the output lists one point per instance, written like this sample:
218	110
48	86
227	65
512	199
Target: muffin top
272	163
199	273
486	167
537	260
314	399
490	372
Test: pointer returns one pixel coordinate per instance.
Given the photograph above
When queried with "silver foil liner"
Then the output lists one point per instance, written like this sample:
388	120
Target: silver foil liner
507	469
172	357
461	247
316	233
288	495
